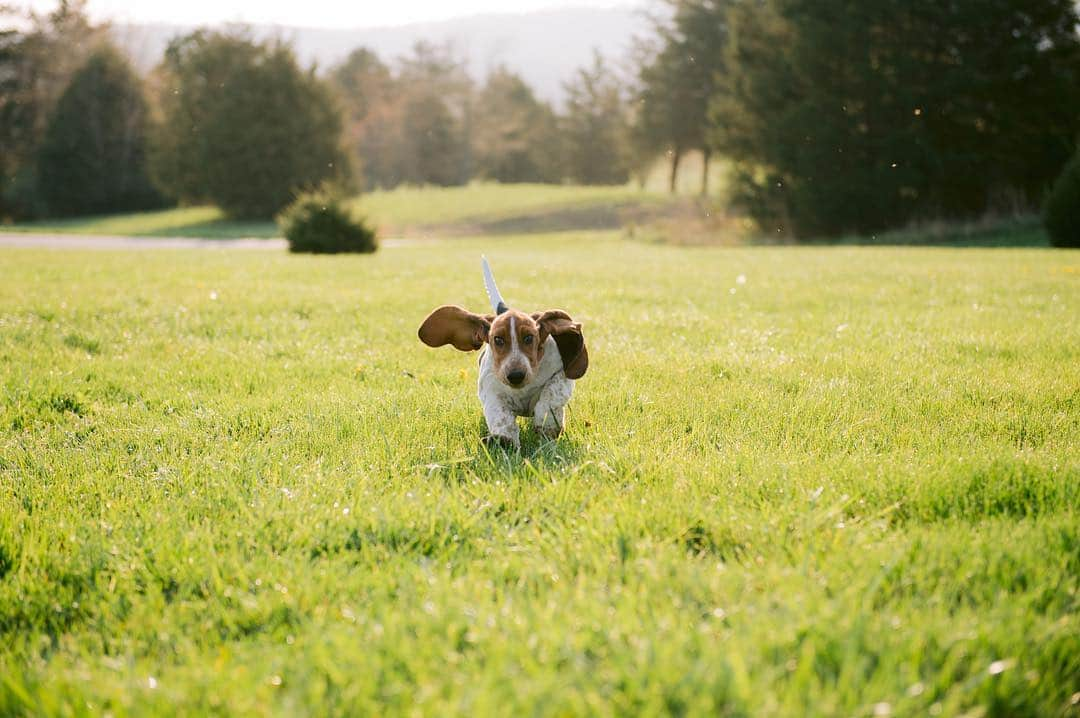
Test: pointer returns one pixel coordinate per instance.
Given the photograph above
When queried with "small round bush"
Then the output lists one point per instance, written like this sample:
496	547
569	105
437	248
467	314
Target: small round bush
320	223
1062	211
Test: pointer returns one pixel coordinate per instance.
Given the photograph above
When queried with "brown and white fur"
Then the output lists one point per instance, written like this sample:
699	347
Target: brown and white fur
528	367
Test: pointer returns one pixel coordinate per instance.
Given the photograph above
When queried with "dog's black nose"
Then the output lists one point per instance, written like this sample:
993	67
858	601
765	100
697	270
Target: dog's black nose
516	377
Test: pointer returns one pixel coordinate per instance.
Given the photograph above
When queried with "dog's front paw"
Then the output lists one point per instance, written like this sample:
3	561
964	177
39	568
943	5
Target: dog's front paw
548	421
549	432
494	441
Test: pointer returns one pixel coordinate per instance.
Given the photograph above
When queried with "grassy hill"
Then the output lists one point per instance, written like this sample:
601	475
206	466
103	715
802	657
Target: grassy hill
796	481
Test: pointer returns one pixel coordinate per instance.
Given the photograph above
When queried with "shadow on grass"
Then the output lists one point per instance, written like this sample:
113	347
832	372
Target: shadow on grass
536	450
492	461
219	229
1016	233
184	223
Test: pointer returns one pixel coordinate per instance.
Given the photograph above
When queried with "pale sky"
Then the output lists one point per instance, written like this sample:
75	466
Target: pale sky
310	13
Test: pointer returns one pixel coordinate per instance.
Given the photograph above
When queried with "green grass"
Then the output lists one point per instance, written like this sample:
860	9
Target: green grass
399	210
1022	231
846	485
198	222
486	202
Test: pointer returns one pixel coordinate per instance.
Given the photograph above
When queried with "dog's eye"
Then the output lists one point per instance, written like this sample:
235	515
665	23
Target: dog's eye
528	339
499	341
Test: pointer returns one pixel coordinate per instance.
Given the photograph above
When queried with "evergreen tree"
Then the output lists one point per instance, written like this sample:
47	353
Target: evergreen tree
14	120
855	116
413	125
437	116
515	134
244	127
38	56
1061	213
595	128
93	157
432	147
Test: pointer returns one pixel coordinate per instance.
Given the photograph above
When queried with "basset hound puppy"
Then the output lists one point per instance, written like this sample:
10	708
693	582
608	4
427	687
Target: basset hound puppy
527	368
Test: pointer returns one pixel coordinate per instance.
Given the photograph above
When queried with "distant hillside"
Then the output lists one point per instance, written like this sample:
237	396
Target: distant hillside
544	47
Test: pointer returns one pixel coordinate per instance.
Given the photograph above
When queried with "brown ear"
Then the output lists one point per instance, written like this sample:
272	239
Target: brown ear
454	325
568	337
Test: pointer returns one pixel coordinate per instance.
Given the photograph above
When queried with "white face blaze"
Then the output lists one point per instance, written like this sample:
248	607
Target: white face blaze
516	364
515	348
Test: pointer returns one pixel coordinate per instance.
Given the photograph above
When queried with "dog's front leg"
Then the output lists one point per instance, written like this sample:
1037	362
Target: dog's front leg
501	422
548	415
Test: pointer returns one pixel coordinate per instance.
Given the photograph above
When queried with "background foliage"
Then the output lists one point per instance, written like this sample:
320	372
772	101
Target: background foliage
243	126
517	137
37	60
93	157
1063	207
852	116
827	118
595	128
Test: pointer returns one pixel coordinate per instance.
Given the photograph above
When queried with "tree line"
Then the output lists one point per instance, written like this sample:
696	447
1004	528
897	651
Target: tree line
237	122
833	115
858	115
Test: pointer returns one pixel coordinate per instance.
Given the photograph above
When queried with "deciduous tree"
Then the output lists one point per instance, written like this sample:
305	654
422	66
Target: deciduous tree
373	109
677	74
244	127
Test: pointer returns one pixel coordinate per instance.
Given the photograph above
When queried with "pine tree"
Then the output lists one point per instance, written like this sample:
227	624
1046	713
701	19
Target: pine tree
856	116
437	116
595	128
39	54
244	127
515	134
432	145
93	159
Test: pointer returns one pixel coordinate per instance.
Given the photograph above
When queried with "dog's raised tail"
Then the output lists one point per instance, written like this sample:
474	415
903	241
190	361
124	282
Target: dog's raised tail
497	303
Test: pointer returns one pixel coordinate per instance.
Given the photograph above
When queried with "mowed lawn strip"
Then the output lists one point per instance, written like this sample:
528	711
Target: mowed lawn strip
823	481
393	210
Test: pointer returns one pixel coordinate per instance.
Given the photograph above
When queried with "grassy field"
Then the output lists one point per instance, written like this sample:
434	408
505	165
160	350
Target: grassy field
493	210
797	481
405	210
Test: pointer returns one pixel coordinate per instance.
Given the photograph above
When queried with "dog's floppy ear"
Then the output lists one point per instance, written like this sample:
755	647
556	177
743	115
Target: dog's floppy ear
567	333
453	325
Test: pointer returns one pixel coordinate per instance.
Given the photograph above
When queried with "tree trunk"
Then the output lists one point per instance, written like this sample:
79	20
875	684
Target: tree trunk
705	153
676	155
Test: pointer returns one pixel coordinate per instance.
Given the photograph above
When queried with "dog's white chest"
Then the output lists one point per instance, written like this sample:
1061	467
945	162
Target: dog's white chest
522	401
